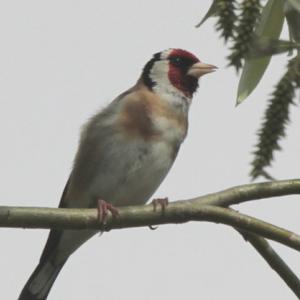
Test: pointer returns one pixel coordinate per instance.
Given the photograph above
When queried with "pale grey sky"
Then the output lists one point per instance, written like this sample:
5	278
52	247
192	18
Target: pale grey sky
63	60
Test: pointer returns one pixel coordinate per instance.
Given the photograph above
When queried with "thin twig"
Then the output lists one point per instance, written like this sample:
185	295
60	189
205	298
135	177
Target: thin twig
250	192
258	191
274	261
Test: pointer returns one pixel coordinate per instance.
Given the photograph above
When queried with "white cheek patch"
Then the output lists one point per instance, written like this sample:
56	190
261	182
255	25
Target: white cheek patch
159	73
163	86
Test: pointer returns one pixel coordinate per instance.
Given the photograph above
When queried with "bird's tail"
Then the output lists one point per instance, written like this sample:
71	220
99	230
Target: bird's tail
40	282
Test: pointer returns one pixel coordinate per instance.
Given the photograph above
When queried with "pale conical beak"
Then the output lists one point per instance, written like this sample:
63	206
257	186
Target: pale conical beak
198	69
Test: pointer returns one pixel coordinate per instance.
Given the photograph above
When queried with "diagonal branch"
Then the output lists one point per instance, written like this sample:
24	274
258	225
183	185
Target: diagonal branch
239	194
249	192
274	261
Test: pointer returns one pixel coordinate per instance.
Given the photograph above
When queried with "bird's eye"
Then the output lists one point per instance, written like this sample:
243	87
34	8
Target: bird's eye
176	60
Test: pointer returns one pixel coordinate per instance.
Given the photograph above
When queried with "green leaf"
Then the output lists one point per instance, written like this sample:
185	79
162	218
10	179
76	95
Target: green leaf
210	13
293	20
265	46
295	4
270	25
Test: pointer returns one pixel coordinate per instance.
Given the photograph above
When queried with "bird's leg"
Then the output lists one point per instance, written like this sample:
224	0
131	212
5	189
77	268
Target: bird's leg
163	202
103	207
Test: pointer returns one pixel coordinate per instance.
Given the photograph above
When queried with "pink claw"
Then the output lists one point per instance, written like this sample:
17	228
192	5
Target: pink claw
163	202
103	208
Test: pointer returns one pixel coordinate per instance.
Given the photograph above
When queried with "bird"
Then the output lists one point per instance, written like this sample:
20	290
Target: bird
124	153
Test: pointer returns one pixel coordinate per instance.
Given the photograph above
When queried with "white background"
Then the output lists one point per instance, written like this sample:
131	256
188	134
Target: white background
60	61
